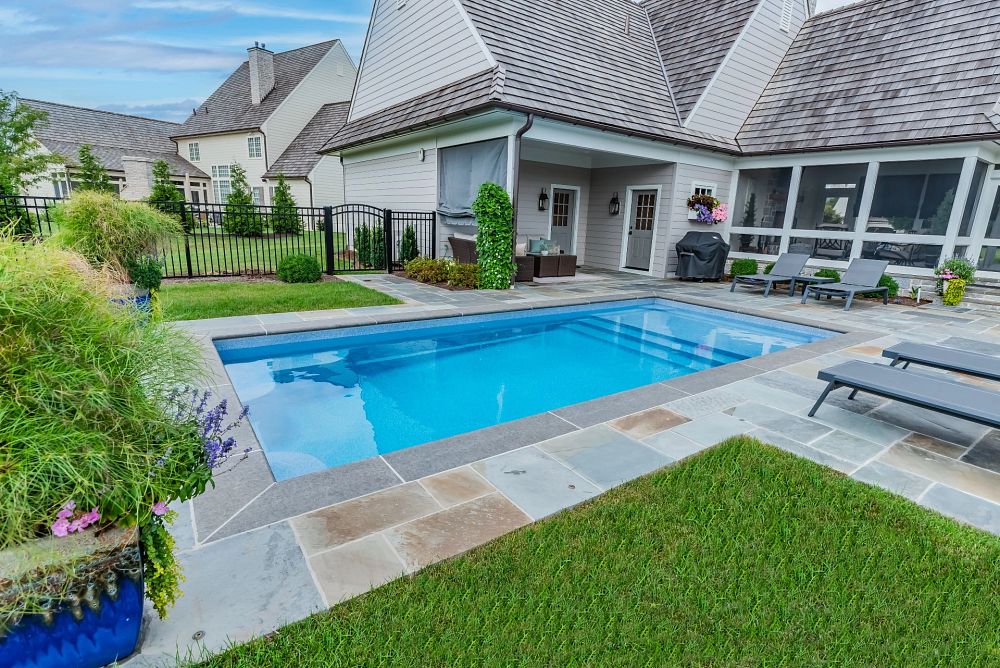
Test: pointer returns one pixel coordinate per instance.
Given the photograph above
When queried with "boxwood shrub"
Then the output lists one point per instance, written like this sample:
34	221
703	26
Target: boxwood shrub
299	269
829	273
886	281
463	275
744	267
427	270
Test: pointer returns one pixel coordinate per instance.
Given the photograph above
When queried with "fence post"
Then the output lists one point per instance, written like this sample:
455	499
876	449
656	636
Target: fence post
328	237
434	235
187	237
387	225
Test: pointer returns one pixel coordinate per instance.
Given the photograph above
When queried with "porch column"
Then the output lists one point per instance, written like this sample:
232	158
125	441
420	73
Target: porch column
980	224
958	209
793	198
865	209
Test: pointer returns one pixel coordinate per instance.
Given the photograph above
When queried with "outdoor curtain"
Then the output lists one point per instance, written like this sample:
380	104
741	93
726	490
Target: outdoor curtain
461	170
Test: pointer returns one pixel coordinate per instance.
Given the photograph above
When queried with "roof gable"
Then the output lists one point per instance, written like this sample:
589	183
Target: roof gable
303	153
112	135
230	109
692	50
883	71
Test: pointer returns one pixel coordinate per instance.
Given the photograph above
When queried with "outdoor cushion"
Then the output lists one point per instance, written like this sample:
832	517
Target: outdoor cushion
937	394
535	245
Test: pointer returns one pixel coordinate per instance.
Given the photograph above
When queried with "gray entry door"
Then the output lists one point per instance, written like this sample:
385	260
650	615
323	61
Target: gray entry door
563	218
640	230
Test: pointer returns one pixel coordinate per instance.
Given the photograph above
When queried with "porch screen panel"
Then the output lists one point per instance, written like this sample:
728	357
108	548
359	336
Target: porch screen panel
461	170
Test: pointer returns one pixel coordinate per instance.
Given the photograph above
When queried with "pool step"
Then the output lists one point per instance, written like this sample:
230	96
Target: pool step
677	354
667	341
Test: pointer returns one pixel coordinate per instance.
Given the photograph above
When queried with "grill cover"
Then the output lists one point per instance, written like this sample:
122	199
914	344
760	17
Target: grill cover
702	255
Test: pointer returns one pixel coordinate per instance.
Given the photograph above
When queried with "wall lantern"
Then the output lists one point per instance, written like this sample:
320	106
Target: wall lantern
543	201
614	206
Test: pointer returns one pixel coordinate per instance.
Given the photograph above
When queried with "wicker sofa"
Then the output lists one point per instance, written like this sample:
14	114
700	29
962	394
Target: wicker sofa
464	252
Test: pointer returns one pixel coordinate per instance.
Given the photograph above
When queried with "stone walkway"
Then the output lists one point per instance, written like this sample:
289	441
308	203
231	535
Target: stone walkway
258	554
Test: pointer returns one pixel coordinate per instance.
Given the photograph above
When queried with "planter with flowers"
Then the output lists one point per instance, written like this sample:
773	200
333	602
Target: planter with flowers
952	278
707	209
97	439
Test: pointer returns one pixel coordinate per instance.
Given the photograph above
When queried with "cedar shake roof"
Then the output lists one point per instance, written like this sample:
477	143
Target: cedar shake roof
303	153
112	135
883	71
229	108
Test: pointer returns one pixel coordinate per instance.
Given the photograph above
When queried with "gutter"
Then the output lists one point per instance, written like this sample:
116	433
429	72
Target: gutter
516	184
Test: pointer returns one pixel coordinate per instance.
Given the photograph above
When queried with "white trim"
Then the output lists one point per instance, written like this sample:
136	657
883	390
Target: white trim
958	208
791	202
734	183
361	61
626	221
722	65
475	33
865	209
866	155
575	215
981	222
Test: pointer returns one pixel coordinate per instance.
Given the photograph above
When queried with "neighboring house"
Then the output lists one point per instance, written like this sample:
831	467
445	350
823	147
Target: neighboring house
255	116
313	177
867	131
126	146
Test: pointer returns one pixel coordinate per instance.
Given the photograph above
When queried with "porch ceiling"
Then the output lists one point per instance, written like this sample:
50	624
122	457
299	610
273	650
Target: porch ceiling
535	150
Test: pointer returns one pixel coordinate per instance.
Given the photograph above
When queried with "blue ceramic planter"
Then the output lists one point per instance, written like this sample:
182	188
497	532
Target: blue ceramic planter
97	624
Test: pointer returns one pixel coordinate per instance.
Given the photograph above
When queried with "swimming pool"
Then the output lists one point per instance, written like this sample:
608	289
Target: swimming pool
326	398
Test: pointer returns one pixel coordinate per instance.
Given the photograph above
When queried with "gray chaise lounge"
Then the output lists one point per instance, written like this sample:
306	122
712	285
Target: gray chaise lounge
940	357
787	268
862	276
942	395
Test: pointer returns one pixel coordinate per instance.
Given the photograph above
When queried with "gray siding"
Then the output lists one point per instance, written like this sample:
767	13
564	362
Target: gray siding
687	175
755	57
413	50
604	232
534	223
328	182
399	182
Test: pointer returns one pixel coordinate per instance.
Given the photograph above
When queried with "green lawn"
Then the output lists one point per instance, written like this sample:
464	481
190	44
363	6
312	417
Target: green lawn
215	253
216	299
743	556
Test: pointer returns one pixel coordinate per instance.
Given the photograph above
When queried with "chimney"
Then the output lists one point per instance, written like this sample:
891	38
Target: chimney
261	63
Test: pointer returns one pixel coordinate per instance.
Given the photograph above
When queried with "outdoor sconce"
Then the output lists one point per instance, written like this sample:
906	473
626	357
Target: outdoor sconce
615	206
543	201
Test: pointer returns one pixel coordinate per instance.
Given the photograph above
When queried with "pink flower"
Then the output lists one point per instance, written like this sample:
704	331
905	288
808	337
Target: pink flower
90	518
60	527
160	509
720	213
67	511
75	526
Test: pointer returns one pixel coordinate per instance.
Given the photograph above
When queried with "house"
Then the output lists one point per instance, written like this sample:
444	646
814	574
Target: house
126	146
313	177
872	130
256	116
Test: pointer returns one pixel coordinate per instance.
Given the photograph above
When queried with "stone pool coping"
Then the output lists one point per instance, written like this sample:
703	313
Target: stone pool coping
249	497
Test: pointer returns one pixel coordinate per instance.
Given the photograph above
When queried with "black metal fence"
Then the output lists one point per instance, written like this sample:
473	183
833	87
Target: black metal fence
242	240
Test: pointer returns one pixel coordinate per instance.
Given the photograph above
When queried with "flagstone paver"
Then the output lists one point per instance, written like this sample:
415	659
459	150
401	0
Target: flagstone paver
648	422
895	480
675	445
457	486
963	507
604	455
972	479
355	568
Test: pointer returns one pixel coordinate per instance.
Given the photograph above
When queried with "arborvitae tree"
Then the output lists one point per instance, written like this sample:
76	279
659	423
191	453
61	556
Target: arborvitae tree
284	215
241	216
92	175
408	248
166	196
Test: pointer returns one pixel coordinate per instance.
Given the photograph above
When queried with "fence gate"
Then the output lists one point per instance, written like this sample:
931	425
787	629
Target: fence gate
251	240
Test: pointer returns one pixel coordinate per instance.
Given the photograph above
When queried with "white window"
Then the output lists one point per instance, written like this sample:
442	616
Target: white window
254	147
194	151
704	188
786	15
221	185
258	195
271	192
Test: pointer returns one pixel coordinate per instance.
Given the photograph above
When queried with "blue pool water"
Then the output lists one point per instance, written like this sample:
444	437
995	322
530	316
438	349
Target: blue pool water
322	399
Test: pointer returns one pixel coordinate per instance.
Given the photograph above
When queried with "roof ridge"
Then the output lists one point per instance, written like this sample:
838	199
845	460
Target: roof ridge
99	111
307	46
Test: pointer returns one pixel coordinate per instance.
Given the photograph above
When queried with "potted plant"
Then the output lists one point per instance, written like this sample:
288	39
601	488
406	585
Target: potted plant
956	267
708	209
118	238
97	438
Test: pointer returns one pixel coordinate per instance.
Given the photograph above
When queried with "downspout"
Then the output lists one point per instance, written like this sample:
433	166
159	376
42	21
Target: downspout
516	185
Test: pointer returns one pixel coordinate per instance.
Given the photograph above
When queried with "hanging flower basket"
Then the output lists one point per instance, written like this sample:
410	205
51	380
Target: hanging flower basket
707	209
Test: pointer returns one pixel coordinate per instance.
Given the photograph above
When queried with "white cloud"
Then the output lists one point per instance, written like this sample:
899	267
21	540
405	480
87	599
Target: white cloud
14	20
246	9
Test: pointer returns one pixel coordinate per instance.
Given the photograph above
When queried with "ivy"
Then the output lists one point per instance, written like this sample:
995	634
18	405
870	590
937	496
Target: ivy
495	240
161	571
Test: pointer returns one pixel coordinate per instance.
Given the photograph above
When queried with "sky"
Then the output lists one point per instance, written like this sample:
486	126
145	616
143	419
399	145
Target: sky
160	58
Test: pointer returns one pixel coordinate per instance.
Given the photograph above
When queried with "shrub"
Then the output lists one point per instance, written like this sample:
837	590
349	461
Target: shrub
240	216
494	241
744	267
427	270
167	197
110	232
959	266
92	175
284	214
363	245
829	273
956	290
299	269
768	268
408	248
886	281
146	273
377	259
463	275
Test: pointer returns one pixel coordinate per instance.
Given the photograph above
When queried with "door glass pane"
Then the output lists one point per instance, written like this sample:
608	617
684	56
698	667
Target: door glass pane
644	211
914	197
825	249
560	208
761	196
829	197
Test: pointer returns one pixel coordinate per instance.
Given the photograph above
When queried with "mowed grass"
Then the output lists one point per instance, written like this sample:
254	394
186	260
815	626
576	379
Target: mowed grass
213	252
742	556
217	299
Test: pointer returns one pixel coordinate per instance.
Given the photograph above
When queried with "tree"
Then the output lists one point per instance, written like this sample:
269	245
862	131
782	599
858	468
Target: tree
165	196
408	248
92	174
284	215
23	160
241	216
